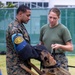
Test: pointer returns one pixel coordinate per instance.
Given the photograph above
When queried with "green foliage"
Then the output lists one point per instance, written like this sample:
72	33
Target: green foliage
10	5
1	4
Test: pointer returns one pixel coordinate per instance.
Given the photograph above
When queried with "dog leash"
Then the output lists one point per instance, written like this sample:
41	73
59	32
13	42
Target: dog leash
29	71
35	68
71	66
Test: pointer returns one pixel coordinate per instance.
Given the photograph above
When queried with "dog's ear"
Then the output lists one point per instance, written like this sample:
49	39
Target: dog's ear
47	59
52	61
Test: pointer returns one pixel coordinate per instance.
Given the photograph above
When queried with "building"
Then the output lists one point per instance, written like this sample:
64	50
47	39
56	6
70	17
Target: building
30	3
43	3
62	3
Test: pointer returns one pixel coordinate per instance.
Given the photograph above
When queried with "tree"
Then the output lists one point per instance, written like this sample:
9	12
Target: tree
10	5
1	4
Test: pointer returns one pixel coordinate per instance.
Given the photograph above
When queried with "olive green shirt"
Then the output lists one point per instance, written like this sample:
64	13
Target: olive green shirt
58	34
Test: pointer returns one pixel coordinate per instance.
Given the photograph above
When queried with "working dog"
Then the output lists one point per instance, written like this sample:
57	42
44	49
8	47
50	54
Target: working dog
51	67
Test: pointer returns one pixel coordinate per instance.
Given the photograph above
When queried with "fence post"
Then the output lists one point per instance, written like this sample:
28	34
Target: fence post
0	72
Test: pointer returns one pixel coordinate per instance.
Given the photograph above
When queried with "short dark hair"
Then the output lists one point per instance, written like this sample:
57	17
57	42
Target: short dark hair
55	10
22	8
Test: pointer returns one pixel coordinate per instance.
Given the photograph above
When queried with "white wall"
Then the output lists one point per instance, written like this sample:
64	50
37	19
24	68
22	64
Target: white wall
61	2
25	0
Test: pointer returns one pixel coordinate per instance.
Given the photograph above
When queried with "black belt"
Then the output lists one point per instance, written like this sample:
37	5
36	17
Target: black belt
49	66
54	66
58	53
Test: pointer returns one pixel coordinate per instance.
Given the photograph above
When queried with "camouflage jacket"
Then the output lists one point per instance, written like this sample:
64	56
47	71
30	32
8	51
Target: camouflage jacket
12	58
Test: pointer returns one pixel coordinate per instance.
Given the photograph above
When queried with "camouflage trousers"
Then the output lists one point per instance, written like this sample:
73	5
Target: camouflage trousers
16	71
61	58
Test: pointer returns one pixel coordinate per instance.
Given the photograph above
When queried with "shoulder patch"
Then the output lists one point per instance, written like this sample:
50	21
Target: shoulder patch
18	40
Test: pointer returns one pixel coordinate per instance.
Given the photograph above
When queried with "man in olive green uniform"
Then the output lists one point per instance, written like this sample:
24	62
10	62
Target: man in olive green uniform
16	33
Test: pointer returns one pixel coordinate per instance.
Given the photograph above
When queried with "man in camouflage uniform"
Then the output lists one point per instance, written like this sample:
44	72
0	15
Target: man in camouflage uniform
12	57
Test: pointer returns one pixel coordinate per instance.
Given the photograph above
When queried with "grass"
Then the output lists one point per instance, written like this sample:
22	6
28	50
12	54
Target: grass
3	64
72	63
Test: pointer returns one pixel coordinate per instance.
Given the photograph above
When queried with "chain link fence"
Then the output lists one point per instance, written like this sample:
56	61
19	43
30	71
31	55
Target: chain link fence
38	19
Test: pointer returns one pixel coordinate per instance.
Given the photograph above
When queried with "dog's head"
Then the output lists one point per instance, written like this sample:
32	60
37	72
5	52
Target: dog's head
47	59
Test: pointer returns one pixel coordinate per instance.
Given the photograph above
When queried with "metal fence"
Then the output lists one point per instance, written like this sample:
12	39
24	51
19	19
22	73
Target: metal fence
38	19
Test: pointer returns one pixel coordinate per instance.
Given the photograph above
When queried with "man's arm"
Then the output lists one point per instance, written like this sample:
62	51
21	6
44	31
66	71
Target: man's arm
22	47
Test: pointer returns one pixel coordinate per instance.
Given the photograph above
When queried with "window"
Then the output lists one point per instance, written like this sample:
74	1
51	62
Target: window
46	4
15	2
8	3
20	3
33	4
27	4
39	4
